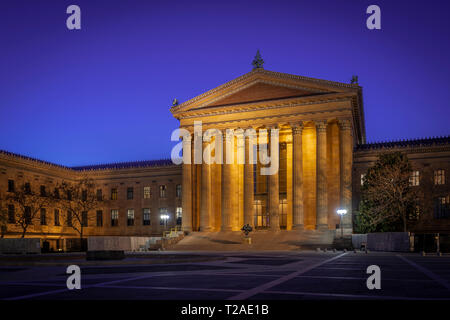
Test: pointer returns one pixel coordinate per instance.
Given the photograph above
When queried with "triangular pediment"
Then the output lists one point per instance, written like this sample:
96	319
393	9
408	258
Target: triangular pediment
261	85
261	91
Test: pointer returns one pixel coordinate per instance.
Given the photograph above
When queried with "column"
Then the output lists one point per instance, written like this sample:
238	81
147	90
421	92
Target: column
321	178
186	187
248	181
346	158
274	190
226	184
298	215
205	196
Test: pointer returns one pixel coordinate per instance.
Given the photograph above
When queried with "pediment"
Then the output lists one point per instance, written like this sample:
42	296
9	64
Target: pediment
261	85
261	91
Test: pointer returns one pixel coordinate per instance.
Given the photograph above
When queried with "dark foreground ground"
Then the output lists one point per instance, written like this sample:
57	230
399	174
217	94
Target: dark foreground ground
262	275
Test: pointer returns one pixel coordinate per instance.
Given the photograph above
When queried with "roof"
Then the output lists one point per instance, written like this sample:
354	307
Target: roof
106	166
126	165
421	142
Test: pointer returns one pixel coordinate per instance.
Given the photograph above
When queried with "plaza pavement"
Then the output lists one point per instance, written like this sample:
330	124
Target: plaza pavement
284	275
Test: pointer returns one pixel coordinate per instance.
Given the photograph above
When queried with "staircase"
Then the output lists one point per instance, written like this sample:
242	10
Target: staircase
260	240
160	243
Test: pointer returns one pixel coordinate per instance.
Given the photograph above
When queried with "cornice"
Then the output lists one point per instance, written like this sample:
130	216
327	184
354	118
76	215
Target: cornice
267	105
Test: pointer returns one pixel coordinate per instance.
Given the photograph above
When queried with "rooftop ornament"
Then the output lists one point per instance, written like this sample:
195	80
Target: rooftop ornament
354	80
258	62
175	102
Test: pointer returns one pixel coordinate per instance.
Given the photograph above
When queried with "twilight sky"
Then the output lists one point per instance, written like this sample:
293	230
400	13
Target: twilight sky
102	94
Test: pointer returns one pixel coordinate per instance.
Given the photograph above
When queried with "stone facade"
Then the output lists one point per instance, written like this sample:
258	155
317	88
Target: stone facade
322	153
121	177
428	157
318	121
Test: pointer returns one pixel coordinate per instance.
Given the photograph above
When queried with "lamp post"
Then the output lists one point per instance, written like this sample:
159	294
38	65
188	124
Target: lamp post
341	212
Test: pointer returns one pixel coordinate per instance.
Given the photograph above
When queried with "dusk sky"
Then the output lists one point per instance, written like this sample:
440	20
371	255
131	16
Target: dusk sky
102	94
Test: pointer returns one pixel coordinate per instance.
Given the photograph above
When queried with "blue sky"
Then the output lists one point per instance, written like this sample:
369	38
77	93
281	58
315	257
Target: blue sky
102	94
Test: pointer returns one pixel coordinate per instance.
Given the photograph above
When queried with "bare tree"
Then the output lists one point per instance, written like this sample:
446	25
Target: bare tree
28	205
387	196
77	199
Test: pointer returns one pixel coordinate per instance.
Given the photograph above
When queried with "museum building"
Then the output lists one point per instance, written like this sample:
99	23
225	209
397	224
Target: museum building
322	157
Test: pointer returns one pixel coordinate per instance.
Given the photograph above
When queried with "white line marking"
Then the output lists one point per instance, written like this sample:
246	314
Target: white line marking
354	296
427	272
172	288
249	293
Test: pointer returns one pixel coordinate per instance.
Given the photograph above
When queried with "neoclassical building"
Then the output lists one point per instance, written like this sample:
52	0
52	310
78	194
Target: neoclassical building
317	128
319	122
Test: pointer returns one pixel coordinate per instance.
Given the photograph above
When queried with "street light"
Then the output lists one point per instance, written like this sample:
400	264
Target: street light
165	218
341	212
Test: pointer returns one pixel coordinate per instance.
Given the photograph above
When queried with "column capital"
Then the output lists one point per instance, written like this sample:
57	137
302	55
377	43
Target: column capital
345	124
321	125
297	127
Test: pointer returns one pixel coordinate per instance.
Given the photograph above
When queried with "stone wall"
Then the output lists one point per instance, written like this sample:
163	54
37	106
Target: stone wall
20	245
389	241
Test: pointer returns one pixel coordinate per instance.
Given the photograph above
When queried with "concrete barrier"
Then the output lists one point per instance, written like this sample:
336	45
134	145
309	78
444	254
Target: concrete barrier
358	240
388	241
120	243
26	245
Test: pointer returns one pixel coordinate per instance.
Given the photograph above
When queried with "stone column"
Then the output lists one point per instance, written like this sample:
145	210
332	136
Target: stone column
321	179
186	187
248	182
205	196
274	189
346	158
227	205
298	214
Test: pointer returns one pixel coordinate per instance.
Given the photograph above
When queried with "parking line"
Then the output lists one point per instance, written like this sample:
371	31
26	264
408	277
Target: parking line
249	293
427	272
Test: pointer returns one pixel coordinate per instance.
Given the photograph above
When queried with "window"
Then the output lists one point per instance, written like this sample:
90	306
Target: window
179	214
163	216
146	216
147	192
113	194
130	193
162	191
99	218
84	218
178	191
11	186
43	192
27	188
11	214
56	193
43	217
28	215
363	177
84	195
69	195
114	218
130	217
69	219
414	179
99	195
442	207
57	217
439	177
